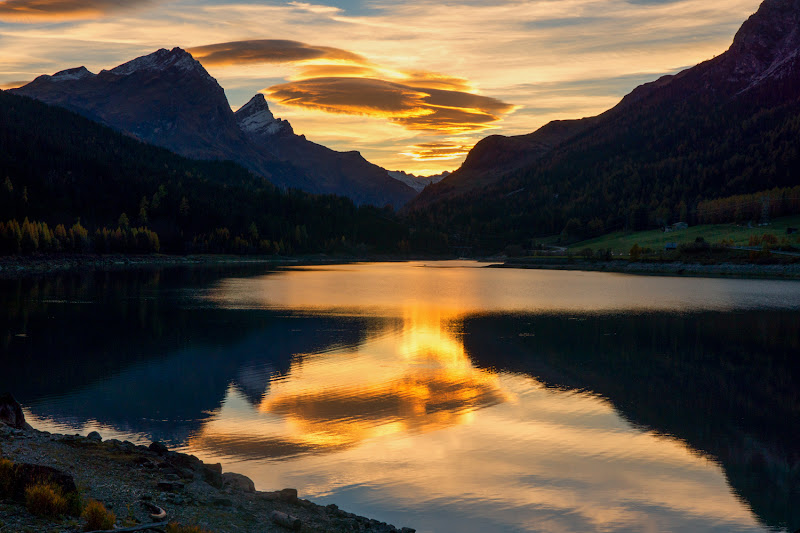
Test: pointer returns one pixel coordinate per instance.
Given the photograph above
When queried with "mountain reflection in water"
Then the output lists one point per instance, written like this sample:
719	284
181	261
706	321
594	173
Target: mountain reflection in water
443	398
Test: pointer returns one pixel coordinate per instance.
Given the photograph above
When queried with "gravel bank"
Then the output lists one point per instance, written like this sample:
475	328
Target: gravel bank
126	478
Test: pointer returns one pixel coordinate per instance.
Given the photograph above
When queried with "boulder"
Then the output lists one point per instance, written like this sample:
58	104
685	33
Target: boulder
288	495
286	520
11	412
212	474
95	436
28	474
238	482
158	447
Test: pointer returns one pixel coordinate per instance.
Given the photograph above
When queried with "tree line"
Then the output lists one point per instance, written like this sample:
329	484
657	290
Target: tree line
773	203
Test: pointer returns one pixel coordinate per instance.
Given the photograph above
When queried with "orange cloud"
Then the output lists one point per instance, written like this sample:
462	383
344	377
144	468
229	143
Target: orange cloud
352	96
415	108
443	151
336	71
55	10
434	80
269	51
339	81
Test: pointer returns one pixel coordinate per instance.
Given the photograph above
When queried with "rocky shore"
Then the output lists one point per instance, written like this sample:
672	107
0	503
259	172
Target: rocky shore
137	483
676	268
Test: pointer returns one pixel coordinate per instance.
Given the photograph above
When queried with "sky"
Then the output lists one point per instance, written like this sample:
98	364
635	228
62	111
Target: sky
412	85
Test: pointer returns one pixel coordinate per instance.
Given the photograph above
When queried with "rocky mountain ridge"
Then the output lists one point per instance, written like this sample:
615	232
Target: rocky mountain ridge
167	98
418	182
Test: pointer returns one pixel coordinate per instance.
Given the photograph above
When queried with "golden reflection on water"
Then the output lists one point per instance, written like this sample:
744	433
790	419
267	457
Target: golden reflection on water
406	419
410	380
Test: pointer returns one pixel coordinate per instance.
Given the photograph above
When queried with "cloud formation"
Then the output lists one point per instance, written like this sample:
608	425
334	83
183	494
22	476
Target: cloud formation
334	80
269	51
413	107
30	11
437	151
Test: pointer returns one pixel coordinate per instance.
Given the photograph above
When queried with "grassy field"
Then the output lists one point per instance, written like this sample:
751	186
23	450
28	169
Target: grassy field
621	242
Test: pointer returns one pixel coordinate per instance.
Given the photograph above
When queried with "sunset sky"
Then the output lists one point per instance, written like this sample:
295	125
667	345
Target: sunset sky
411	84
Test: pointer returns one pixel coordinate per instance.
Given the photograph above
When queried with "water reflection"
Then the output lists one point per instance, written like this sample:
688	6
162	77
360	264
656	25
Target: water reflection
403	380
451	398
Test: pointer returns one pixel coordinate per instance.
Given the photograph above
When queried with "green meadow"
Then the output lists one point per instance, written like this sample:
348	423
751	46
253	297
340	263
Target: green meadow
620	242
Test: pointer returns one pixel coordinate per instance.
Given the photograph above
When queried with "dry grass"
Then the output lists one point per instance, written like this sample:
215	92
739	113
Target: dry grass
45	499
6	477
97	517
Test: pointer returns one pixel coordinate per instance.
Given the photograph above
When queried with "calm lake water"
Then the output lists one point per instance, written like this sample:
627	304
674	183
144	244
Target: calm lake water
442	395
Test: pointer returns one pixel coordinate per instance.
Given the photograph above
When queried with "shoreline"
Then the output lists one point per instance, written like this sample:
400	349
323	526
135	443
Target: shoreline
720	270
130	479
20	266
23	266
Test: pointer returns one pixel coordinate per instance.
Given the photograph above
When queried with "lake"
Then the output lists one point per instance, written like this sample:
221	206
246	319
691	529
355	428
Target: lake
443	396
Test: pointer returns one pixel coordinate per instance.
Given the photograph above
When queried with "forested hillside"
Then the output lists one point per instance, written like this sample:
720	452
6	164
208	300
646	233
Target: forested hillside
57	167
648	172
728	126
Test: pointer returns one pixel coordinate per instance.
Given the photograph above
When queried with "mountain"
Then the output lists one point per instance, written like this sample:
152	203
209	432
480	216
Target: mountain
343	173
168	99
58	167
417	182
724	127
497	155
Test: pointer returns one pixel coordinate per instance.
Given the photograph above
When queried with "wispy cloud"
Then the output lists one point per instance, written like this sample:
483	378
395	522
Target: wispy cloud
12	84
30	11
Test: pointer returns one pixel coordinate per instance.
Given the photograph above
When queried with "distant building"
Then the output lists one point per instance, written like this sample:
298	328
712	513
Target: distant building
671	246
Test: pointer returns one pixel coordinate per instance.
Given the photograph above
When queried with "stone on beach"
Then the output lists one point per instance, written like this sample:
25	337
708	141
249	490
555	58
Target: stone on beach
11	412
238	482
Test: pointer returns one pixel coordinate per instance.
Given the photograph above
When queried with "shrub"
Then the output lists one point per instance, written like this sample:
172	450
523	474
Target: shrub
174	527
6	477
45	499
635	252
74	503
769	241
97	517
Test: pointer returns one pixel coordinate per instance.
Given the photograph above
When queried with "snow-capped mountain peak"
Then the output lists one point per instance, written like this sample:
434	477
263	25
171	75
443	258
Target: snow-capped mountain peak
72	74
255	118
161	60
